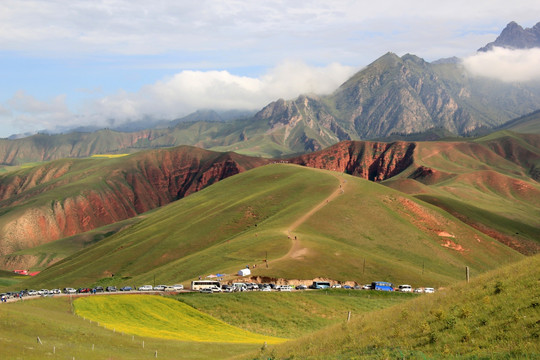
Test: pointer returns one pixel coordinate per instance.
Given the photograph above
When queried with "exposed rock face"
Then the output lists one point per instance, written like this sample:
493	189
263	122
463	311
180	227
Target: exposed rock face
31	215
515	37
303	124
375	161
397	96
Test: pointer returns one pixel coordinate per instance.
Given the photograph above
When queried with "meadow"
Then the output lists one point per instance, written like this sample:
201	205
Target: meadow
495	316
291	314
136	326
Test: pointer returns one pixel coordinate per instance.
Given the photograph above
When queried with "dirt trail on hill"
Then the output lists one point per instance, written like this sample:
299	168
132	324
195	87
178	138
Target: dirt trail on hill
296	251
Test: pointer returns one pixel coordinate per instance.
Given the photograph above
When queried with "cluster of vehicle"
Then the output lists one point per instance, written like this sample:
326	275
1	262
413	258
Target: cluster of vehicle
85	290
176	287
209	287
409	288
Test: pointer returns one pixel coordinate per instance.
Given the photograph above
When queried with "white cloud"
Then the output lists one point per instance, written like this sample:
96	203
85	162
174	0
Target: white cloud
508	65
180	95
65	27
188	91
25	103
25	113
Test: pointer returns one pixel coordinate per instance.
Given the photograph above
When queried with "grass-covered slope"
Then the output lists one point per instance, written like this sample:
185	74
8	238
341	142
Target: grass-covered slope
310	224
39	257
529	124
490	183
291	314
135	327
70	196
66	336
495	316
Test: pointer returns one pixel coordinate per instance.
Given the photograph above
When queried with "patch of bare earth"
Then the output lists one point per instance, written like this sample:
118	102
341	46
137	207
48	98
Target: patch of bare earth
428	222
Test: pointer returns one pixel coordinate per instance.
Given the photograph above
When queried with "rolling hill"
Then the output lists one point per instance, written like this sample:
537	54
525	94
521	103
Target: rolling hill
297	217
66	197
490	183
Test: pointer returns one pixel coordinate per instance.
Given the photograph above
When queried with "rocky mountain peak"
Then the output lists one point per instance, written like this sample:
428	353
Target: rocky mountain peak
514	36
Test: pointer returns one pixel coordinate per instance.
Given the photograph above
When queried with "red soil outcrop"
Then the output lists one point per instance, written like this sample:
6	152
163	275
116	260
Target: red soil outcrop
140	183
375	161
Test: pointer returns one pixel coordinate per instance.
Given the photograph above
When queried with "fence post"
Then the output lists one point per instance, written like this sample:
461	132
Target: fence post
349	316
467	273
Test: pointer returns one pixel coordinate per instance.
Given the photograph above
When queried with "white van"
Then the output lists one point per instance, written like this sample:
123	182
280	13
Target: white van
145	288
405	288
285	288
239	286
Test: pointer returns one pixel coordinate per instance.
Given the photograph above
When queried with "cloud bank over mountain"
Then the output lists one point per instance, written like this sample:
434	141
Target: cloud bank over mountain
179	95
509	65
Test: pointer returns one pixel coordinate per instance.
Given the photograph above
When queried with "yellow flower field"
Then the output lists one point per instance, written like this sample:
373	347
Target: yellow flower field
108	156
160	317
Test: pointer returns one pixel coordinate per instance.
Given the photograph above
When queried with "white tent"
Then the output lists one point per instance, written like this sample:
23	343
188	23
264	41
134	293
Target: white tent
244	272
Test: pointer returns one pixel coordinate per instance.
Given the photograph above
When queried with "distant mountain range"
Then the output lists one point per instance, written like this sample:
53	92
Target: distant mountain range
393	97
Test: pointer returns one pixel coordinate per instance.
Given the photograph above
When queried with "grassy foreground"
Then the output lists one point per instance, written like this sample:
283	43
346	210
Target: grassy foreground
495	316
156	316
65	336
120	323
293	314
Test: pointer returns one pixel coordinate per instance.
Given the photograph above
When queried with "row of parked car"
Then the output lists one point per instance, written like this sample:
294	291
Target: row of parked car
176	287
85	290
235	287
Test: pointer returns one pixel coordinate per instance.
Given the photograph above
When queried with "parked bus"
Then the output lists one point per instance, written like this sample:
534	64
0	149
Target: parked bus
197	285
320	285
382	286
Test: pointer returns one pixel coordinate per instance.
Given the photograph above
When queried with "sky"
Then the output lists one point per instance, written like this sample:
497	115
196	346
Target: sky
69	63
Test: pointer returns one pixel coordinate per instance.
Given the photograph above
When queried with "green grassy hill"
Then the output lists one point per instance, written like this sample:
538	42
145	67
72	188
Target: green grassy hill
66	197
346	229
40	257
490	183
529	123
495	316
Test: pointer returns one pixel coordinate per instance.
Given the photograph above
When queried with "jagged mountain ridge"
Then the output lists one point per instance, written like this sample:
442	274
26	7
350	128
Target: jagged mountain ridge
407	95
514	36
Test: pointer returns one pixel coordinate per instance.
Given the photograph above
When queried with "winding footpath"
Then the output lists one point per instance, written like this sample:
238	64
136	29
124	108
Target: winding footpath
296	249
